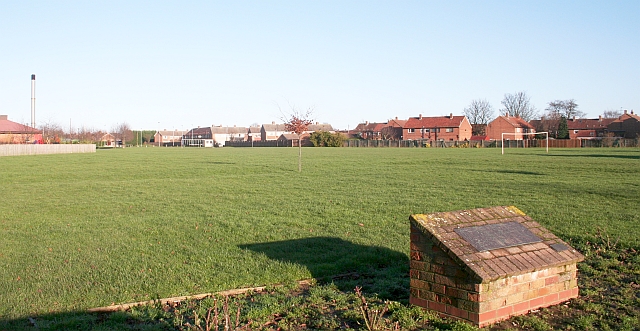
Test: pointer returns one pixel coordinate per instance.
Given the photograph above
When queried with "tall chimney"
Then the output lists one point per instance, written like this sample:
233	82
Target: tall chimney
33	100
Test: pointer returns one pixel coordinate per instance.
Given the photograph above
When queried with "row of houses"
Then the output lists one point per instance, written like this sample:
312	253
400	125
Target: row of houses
219	135
458	128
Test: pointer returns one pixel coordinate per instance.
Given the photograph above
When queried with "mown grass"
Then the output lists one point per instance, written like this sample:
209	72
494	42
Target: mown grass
88	230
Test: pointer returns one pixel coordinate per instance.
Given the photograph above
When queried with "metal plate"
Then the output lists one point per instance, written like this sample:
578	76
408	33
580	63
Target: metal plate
494	236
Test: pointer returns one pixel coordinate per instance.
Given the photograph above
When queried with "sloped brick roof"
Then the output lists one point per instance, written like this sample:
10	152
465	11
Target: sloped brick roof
588	123
496	263
7	126
516	122
434	122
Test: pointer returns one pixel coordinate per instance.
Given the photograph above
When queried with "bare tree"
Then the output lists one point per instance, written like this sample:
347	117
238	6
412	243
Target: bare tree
519	105
612	113
122	131
51	132
479	111
566	108
298	122
391	133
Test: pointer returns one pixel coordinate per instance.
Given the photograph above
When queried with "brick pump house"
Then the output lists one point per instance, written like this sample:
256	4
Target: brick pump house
488	264
509	124
441	128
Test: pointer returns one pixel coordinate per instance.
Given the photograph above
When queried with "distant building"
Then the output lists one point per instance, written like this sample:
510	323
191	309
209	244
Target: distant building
198	137
16	133
627	125
509	124
168	137
439	128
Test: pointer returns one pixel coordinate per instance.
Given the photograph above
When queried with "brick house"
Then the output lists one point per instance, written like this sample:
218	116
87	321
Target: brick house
198	137
444	128
627	125
585	128
168	137
254	133
509	124
391	130
222	134
485	265
272	131
16	133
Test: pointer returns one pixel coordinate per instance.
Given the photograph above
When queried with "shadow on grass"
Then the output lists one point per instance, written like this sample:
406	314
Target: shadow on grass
378	270
616	156
518	172
87	321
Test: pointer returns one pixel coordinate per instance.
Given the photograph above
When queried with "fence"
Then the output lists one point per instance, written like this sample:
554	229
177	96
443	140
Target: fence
36	149
553	143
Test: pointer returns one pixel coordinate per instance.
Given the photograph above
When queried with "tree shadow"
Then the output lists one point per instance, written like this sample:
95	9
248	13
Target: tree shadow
376	269
616	156
517	172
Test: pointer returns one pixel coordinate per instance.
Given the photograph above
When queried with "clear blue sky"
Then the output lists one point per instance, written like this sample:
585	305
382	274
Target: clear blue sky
181	64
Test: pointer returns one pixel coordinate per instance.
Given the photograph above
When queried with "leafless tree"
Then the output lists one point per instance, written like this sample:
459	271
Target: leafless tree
612	113
298	122
390	133
566	108
518	104
123	132
479	111
51	132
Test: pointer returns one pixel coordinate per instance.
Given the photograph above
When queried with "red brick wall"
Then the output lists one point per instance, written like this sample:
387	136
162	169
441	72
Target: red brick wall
500	125
439	283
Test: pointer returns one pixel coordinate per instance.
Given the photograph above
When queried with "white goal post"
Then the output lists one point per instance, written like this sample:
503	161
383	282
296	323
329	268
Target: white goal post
524	134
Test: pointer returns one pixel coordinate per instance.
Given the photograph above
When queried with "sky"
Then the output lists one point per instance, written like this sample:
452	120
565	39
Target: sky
181	64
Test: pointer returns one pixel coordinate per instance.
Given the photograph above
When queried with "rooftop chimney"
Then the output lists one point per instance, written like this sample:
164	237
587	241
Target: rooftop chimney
625	111
506	115
420	116
600	118
451	116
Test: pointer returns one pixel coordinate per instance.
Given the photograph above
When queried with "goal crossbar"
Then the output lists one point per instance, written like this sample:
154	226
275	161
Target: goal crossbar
524	134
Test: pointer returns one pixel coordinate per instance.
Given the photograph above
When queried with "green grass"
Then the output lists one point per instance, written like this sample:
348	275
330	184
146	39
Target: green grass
88	230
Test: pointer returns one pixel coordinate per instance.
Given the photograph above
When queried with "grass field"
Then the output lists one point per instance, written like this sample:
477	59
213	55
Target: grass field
87	230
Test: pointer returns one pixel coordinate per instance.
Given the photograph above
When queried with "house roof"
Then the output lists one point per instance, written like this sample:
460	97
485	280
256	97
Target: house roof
254	129
228	129
293	136
274	127
165	133
588	124
7	126
516	122
448	230
320	127
626	117
397	123
200	131
474	138
434	122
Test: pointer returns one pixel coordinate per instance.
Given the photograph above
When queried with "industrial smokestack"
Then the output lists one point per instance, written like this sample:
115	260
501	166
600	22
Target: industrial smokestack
33	101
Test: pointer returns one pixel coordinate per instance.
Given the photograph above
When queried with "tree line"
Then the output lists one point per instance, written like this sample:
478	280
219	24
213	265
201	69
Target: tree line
554	117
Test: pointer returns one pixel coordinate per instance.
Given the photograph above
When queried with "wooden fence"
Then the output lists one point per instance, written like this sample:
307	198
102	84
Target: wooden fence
553	143
36	149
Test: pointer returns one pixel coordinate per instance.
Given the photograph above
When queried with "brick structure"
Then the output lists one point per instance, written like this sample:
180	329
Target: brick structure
509	124
520	265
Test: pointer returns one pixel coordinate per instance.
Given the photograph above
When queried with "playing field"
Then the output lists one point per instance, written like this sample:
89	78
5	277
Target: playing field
87	230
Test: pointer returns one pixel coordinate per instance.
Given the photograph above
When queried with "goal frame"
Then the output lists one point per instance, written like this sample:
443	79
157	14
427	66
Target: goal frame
523	134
